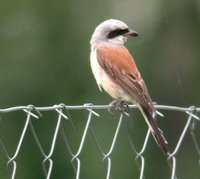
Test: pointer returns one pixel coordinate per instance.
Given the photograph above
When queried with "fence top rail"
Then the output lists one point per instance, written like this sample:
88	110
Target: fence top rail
92	106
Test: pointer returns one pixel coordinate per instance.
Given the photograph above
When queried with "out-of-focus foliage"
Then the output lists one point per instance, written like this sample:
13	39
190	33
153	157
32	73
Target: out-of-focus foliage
44	57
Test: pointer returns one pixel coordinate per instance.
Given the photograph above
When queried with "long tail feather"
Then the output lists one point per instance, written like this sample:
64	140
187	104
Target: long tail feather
156	132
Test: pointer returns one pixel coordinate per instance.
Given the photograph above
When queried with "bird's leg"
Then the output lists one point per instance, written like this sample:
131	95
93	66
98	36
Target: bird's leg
120	106
123	108
113	104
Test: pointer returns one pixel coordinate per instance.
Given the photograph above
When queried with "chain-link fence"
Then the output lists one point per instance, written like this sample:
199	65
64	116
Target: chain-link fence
66	116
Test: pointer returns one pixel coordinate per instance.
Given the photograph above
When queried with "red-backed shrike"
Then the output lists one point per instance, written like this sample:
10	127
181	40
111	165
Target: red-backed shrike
116	72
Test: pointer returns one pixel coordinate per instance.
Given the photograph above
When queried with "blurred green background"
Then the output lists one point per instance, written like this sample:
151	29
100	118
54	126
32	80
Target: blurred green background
44	57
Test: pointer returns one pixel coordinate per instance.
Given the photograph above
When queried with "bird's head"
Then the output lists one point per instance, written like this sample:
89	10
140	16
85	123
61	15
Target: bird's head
112	31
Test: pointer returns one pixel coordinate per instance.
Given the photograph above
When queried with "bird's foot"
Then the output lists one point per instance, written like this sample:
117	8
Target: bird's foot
120	106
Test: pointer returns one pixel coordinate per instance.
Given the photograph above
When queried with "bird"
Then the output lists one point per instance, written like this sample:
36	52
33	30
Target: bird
116	72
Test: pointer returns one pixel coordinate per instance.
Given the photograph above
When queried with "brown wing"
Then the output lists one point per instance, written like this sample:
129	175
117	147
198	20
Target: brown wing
120	66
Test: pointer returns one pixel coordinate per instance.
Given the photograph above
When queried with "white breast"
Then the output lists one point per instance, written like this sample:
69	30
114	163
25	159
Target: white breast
104	81
95	67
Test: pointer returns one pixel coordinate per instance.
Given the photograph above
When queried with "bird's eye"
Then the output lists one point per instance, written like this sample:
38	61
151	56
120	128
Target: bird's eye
117	32
121	31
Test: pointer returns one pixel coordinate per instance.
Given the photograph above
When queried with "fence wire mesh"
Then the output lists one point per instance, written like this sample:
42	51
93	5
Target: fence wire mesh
93	112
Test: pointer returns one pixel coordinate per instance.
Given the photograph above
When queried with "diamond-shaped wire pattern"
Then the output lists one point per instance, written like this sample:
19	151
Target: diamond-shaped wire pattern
93	111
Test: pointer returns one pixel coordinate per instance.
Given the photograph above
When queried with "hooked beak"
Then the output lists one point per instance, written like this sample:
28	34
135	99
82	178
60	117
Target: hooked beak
132	33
